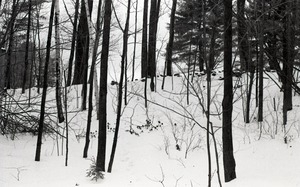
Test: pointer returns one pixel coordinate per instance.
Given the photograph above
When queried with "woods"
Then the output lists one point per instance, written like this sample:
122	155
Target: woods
198	72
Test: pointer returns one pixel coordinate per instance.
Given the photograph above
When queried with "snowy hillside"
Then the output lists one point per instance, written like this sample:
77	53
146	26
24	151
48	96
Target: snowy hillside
159	146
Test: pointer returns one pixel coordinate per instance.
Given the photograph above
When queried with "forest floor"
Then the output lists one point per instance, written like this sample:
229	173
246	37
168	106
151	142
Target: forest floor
158	146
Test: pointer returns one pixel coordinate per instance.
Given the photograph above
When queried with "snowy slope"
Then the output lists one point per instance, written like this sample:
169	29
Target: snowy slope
152	158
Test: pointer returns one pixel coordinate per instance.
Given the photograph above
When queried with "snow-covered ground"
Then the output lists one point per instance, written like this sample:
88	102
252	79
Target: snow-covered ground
147	153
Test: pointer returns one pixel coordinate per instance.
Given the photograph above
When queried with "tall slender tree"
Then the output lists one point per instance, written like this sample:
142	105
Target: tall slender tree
261	63
228	158
73	43
11	26
27	47
100	162
154	14
169	49
82	50
94	58
171	40
45	86
120	88
135	39
144	54
58	91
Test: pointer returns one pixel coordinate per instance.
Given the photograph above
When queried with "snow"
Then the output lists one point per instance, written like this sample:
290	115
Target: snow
151	158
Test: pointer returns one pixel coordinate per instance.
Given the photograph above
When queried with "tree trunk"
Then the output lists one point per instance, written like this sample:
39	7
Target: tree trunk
169	52
242	35
45	85
144	63
134	42
154	13
261	66
120	89
82	47
152	44
27	48
169	49
74	36
94	58
288	54
58	90
228	158
100	163
10	46
39	77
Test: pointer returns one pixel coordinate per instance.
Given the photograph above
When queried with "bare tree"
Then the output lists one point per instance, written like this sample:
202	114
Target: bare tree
27	47
261	64
120	88
154	13
58	91
228	158
169	52
45	86
92	73
135	39
144	59
74	36
100	163
11	30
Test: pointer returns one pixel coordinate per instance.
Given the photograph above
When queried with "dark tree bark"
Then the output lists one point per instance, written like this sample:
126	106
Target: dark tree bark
94	58
242	35
169	52
144	63
82	51
100	163
287	58
27	47
228	158
10	45
261	65
120	88
245	58
202	42
45	86
81	56
154	12
144	55
74	36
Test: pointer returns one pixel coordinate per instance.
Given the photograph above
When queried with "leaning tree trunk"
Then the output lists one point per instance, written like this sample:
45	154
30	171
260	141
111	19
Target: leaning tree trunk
228	158
120	89
45	86
100	163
